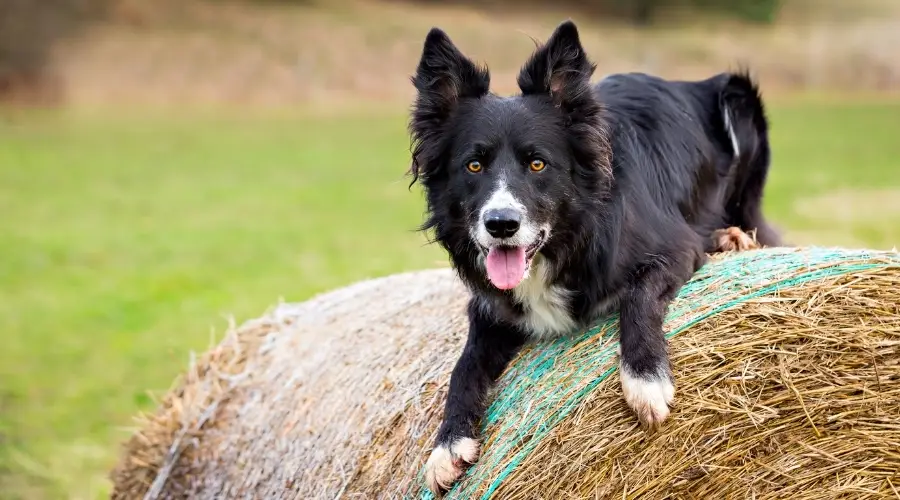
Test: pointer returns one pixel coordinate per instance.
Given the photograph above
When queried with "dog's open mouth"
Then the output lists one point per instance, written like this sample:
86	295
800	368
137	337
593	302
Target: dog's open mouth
507	265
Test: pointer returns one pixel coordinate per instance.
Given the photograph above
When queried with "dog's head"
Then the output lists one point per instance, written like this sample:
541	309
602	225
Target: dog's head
504	176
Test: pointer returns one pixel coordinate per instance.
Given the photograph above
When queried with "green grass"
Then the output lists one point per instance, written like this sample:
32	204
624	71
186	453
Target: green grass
125	240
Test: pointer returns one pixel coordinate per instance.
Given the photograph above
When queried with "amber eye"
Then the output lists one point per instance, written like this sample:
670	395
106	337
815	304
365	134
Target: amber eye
537	165
474	167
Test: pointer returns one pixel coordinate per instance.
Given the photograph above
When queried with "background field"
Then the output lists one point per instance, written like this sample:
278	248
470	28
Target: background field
134	225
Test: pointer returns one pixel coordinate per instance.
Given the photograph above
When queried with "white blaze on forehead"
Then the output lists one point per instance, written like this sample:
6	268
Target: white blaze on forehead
501	198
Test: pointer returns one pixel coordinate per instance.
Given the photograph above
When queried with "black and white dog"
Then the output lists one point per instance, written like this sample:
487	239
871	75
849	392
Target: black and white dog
571	201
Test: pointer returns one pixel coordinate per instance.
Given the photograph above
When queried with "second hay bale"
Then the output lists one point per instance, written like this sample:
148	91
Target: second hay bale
788	379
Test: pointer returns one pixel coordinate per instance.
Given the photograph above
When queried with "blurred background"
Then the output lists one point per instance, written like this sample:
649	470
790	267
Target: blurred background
167	167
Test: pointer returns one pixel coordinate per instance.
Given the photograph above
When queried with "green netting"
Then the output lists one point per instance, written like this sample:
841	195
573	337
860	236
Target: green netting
548	381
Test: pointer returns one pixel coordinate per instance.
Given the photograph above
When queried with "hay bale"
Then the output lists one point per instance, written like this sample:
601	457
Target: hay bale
788	377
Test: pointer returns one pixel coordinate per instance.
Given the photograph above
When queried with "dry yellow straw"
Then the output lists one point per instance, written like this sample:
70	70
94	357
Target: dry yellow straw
787	365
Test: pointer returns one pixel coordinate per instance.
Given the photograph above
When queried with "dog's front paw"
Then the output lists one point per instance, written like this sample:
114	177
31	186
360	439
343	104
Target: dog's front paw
649	397
448	461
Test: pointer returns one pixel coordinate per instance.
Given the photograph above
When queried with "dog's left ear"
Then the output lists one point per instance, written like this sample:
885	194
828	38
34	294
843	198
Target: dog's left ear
559	68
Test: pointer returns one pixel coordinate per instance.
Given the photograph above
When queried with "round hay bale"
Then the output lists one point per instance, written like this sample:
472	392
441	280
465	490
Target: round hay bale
787	365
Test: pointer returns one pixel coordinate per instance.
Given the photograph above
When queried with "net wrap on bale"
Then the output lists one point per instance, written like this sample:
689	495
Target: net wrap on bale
787	366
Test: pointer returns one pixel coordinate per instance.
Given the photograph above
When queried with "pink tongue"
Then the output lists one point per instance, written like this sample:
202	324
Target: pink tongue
506	266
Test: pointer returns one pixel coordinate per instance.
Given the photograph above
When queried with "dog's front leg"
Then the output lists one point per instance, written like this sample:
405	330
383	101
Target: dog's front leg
489	348
644	367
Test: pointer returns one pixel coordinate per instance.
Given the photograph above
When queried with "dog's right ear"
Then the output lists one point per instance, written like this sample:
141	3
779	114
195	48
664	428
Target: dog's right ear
443	77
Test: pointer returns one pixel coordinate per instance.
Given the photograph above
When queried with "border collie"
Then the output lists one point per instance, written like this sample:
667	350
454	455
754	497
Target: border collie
572	201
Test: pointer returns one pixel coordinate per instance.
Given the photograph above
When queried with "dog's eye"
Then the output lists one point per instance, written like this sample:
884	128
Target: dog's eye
537	165
474	166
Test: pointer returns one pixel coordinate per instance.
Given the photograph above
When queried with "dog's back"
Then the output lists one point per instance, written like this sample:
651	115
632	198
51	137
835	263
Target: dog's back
701	146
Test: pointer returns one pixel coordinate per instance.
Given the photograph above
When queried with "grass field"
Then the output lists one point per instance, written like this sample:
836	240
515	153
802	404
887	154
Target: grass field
126	242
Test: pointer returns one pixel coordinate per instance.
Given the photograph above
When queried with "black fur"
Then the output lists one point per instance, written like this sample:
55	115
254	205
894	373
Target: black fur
640	172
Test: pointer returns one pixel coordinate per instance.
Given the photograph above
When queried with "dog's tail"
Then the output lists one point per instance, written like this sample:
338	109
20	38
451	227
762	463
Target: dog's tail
745	125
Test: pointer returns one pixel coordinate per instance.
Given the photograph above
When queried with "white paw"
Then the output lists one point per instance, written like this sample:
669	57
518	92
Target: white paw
446	464
649	398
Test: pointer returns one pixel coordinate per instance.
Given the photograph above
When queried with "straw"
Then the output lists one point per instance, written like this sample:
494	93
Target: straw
787	365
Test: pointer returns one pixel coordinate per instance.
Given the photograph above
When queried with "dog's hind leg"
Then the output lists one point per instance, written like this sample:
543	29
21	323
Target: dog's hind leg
745	124
732	239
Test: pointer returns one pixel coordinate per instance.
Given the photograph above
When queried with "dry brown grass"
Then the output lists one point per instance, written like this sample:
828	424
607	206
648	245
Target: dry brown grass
792	393
204	53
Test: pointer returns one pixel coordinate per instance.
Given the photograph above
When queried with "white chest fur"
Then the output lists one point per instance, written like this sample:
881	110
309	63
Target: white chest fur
546	306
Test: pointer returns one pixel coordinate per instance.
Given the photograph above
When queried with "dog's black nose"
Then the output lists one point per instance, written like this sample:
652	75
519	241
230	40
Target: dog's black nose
502	222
